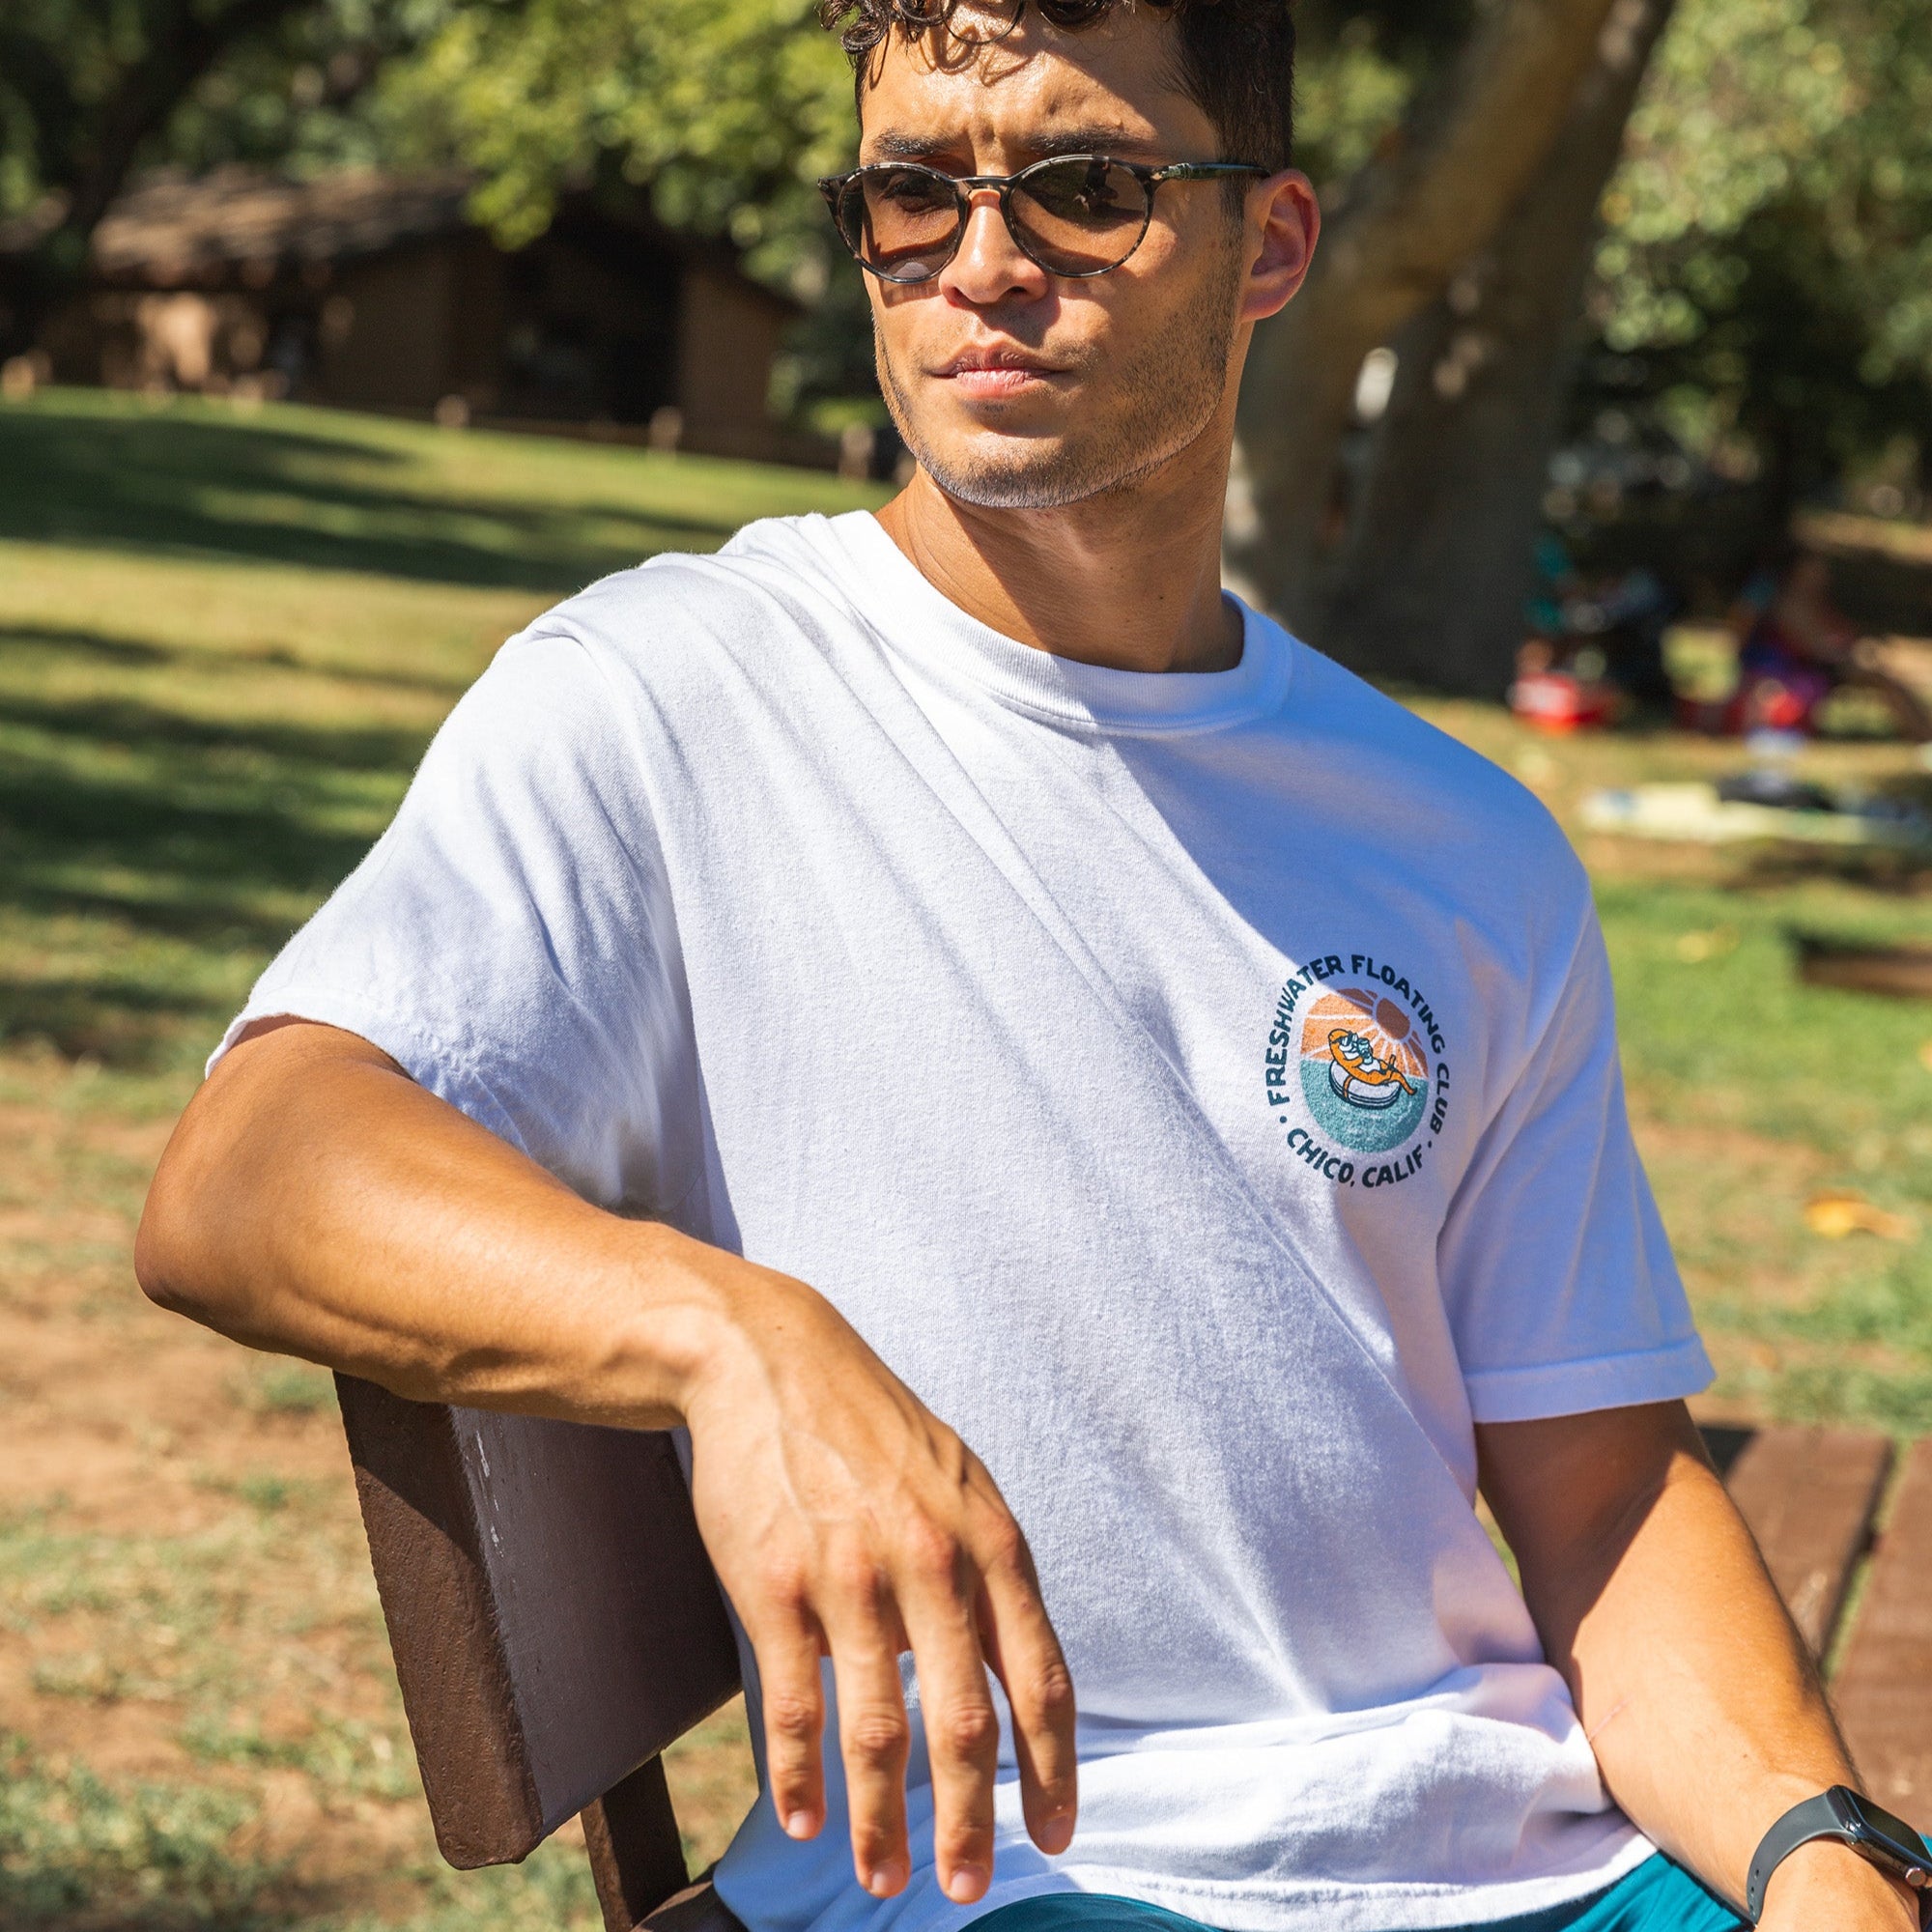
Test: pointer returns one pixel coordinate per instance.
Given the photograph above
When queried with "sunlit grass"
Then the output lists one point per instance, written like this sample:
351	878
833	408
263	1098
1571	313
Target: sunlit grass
1752	1091
328	490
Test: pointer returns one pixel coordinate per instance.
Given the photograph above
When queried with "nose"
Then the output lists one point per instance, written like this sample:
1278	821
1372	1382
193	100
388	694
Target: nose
990	266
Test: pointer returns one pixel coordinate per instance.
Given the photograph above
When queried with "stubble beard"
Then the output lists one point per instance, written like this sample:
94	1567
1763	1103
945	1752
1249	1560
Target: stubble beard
1165	396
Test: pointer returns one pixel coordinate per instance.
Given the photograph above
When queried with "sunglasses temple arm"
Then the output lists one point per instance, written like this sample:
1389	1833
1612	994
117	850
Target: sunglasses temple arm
1201	171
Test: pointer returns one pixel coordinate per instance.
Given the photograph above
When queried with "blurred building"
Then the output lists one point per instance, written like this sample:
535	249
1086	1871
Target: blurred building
373	291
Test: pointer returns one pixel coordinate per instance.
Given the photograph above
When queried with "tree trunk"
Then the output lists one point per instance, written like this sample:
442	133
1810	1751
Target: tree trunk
1434	195
1437	559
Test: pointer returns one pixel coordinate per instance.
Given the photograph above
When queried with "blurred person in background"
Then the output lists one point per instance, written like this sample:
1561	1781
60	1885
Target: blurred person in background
1796	648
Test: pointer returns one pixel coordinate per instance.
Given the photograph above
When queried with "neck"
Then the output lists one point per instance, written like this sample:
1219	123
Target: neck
1130	579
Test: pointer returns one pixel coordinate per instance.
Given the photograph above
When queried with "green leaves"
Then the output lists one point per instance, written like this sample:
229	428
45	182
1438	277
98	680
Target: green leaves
1769	231
726	109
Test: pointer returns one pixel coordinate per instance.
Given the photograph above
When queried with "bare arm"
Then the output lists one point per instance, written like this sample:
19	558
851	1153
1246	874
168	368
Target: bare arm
315	1200
1703	1707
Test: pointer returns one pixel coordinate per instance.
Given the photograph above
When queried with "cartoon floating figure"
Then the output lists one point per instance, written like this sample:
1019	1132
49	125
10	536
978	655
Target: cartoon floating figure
1359	1075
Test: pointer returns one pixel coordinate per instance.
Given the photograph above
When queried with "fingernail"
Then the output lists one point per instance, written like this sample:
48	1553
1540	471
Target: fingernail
798	1825
1056	1833
883	1880
966	1883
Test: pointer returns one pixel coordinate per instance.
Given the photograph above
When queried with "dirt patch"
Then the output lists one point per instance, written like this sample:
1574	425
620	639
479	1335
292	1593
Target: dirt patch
185	1603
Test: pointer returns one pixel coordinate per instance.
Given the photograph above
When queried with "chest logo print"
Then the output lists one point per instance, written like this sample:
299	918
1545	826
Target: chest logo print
1356	1070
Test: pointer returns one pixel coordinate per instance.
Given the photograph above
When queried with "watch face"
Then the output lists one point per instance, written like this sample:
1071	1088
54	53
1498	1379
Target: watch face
1894	1833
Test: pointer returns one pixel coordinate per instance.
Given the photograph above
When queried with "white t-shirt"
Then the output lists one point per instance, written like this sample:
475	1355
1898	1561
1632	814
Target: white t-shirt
1200	1088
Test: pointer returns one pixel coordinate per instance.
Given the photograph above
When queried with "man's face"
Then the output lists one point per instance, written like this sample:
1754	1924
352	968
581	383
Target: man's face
1014	388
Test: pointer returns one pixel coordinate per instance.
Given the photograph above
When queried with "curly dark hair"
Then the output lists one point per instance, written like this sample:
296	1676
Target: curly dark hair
1236	56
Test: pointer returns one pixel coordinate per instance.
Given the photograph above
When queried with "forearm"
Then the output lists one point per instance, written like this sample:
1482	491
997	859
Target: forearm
1699	1699
314	1199
1708	1735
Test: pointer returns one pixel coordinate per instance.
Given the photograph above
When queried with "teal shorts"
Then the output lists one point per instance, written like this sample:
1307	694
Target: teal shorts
1658	1897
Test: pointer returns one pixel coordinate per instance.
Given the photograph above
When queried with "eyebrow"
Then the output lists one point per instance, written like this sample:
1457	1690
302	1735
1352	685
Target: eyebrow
891	145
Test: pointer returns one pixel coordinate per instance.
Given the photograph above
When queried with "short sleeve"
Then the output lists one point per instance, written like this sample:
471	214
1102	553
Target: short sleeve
510	943
1561	1290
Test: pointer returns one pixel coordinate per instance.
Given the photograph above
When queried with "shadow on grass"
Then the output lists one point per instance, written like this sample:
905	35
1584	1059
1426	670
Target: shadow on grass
105	647
1889	875
182	483
150	858
118	1024
155	889
189	832
135	723
71	642
153	855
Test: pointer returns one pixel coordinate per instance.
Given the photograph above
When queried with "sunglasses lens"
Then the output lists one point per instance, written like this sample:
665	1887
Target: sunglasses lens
1079	217
902	223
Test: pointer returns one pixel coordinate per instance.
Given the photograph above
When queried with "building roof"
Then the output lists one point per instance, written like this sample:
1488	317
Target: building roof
172	228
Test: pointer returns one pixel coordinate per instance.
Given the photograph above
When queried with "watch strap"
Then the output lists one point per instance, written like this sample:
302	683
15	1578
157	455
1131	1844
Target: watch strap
1819	1817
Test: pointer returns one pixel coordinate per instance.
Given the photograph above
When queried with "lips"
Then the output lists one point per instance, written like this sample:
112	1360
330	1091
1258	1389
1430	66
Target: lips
992	373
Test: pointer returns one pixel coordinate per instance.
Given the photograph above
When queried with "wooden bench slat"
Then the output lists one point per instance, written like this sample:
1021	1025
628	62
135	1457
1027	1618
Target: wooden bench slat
1883	1693
1808	1496
553	1614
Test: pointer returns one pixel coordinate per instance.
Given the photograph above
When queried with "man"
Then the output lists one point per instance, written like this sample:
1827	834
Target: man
958	972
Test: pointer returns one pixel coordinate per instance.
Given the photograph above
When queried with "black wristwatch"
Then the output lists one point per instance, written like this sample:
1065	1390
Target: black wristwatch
1875	1835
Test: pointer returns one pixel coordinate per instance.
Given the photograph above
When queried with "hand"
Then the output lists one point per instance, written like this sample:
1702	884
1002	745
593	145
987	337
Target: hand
846	1520
1826	1886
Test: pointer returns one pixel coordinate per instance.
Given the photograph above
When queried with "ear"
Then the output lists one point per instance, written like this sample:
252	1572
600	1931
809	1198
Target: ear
1284	218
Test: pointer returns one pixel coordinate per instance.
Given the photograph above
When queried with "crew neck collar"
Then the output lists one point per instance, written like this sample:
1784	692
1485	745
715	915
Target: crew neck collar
920	623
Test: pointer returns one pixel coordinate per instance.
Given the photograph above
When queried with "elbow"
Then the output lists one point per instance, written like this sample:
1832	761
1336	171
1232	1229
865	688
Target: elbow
163	1248
178	1261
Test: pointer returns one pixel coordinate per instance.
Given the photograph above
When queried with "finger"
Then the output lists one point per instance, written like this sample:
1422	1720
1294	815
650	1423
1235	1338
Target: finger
962	1726
873	1731
1025	1656
788	1646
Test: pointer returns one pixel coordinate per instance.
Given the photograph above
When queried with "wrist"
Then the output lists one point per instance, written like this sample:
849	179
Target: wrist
1828	1885
682	1322
709	1324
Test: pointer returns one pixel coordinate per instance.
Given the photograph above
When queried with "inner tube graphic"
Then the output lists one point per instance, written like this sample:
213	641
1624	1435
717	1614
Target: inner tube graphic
1359	1075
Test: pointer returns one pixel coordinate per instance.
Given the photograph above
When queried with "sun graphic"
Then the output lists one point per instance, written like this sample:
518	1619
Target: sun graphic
1339	1019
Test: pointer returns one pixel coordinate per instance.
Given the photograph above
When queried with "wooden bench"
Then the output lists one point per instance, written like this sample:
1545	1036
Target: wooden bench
556	1624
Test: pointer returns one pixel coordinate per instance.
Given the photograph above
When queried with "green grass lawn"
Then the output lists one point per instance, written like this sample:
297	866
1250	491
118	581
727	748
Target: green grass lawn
224	641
